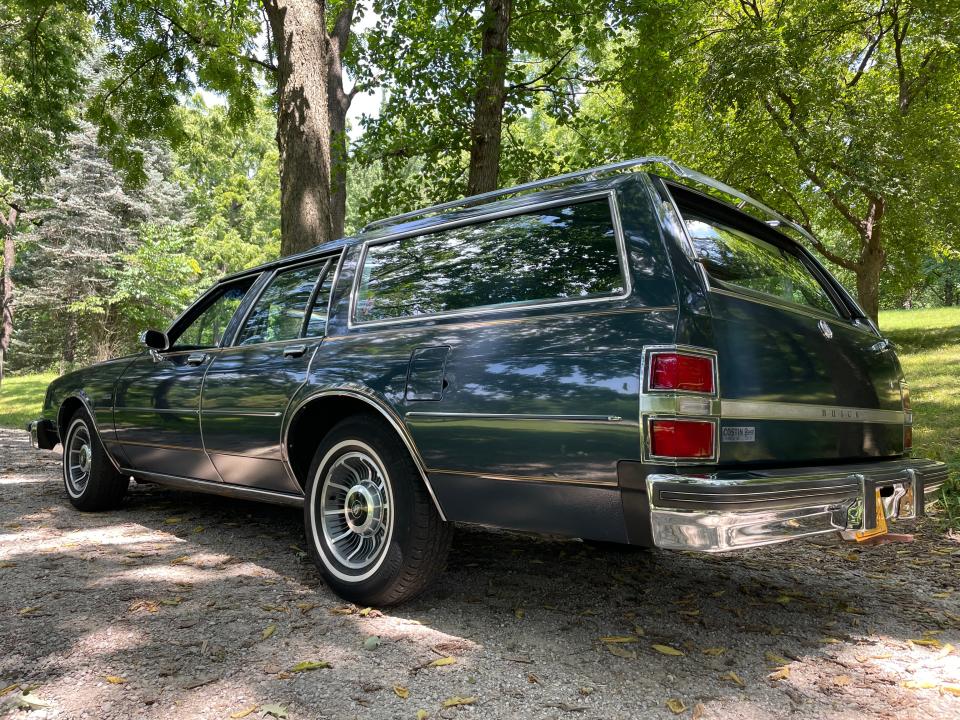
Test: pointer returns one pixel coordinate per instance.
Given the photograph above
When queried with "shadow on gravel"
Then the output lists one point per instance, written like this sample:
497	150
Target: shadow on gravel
207	603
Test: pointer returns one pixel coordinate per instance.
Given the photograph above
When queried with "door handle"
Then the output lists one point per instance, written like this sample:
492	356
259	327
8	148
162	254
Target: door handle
294	351
196	358
882	346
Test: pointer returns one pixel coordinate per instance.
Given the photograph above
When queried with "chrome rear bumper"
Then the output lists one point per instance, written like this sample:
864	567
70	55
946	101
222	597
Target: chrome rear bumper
732	511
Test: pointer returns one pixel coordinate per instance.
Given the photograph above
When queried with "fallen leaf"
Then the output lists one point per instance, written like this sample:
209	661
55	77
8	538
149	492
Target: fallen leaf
276	710
830	641
676	706
714	651
919	684
345	610
944	651
926	642
520	613
7	564
268	631
308	665
115	680
243	713
698	710
199	529
667	650
440	662
784	600
942	595
586	691
422	715
621	651
775	659
171	601
180	560
952	689
148	605
731	676
618	639
457	701
781	673
9	689
842	680
27	610
533	678
401	692
371	643
306	607
172	521
365	612
31	702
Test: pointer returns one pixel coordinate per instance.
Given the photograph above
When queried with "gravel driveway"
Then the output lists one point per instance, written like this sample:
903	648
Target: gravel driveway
182	606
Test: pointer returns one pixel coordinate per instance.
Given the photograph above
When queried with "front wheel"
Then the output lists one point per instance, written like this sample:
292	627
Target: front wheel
371	527
89	477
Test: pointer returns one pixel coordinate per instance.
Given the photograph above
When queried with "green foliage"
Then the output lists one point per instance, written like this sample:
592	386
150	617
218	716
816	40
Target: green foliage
231	179
158	52
41	47
428	61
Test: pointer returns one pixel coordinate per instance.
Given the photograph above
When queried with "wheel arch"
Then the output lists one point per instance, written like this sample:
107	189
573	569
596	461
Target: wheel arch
68	406
312	417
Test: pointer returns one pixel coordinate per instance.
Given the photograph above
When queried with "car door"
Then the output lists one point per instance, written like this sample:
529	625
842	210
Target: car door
250	382
157	401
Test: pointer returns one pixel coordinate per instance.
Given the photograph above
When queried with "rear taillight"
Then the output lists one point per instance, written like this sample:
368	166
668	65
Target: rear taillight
907	437
681	371
907	417
682	439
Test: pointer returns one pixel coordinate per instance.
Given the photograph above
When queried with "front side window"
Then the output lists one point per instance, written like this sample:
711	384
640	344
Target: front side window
280	311
206	329
736	258
562	252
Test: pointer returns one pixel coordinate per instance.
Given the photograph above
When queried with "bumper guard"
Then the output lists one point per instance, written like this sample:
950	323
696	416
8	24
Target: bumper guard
732	511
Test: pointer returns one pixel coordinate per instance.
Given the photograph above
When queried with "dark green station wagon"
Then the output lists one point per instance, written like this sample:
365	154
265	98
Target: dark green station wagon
634	354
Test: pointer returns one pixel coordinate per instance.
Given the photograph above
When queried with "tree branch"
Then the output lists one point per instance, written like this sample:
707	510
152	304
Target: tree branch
544	74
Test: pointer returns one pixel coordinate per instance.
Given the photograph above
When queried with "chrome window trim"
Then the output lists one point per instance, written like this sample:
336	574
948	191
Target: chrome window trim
771	301
263	288
212	289
622	257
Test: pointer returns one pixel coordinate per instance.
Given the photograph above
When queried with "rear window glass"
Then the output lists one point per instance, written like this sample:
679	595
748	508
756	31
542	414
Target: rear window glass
564	252
736	258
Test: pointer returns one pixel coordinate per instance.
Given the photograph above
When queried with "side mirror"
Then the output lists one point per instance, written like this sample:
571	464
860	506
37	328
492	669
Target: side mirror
155	340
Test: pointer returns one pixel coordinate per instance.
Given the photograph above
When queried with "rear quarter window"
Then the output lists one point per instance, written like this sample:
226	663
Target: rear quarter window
559	253
741	260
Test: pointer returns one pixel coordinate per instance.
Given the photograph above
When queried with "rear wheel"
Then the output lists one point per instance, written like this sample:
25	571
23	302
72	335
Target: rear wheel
371	526
89	477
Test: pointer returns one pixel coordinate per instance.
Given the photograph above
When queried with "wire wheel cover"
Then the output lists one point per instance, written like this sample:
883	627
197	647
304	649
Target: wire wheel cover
355	510
78	459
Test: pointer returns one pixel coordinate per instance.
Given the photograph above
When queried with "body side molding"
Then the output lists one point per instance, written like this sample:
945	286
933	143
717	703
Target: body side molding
240	492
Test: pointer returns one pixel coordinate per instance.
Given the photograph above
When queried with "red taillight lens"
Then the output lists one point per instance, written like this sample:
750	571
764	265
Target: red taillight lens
675	371
681	438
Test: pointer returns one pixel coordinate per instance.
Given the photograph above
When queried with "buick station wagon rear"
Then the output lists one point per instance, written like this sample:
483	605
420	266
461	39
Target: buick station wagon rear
633	354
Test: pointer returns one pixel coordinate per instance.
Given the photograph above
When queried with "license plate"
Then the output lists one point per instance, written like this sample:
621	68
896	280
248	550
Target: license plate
880	529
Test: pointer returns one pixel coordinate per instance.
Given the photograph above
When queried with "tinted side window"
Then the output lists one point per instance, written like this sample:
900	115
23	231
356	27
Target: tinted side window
279	312
561	252
734	257
206	330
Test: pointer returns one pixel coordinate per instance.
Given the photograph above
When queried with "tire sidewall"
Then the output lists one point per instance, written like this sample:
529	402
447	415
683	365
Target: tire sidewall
78	420
367	436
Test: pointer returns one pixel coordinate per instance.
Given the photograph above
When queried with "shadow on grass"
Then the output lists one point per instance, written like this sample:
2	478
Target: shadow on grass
921	339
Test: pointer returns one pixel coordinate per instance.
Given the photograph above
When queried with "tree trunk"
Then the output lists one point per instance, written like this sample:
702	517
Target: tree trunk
303	130
948	291
872	259
6	300
338	103
486	134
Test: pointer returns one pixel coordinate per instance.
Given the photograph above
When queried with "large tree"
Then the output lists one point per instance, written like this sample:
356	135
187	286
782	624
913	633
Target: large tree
160	51
841	114
457	76
41	47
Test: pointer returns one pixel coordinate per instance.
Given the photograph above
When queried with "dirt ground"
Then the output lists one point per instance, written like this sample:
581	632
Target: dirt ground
183	606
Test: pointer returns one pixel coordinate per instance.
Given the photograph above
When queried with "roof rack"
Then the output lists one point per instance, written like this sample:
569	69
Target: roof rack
675	168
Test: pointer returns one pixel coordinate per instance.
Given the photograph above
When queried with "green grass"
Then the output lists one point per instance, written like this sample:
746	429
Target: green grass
928	344
21	399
